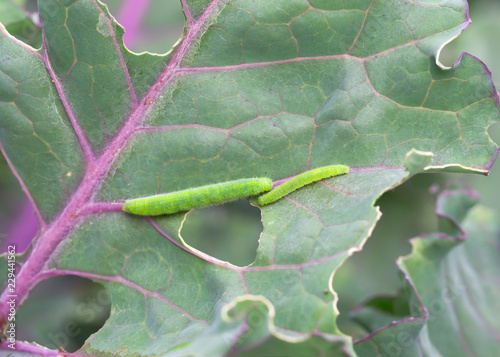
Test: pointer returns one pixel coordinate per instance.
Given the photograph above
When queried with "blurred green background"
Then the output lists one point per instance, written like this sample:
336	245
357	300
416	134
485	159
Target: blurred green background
64	311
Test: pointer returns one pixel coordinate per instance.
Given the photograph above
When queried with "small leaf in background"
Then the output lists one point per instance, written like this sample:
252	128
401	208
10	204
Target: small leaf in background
20	22
452	289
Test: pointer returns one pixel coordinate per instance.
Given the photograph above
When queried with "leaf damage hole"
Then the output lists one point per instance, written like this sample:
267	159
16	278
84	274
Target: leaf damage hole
375	269
153	26
228	232
62	312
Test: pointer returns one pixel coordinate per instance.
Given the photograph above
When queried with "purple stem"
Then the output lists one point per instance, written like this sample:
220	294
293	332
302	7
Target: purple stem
120	279
82	139
187	12
101	207
133	97
97	168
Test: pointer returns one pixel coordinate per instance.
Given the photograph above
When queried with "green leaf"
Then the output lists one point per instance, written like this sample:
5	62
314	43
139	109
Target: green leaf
451	293
254	89
20	23
249	320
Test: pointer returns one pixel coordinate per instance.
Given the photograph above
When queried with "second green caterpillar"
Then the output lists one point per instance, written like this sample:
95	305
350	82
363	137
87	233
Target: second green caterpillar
302	180
185	200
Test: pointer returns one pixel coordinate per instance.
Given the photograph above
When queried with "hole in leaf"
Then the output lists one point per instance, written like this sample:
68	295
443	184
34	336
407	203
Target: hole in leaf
450	53
480	38
63	312
154	28
408	211
30	5
229	232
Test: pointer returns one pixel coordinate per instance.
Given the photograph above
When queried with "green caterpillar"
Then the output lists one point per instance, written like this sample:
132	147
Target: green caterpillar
226	191
302	180
196	197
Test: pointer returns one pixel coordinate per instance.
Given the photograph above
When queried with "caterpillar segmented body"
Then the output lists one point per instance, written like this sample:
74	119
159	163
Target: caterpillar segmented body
302	180
196	197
